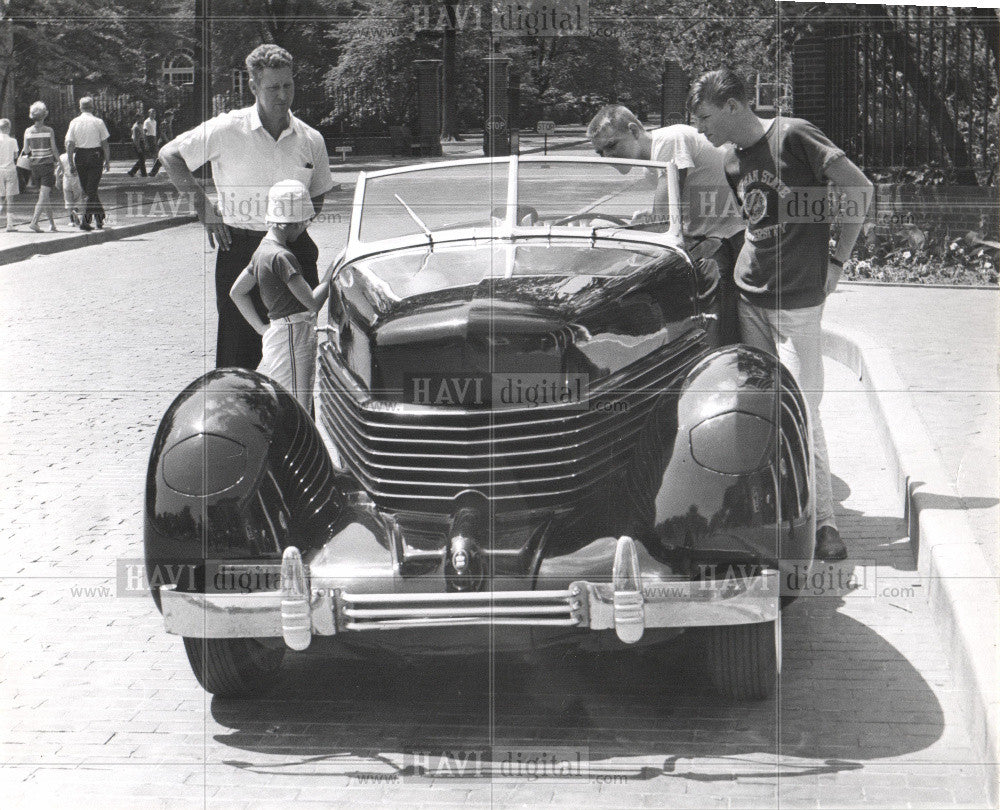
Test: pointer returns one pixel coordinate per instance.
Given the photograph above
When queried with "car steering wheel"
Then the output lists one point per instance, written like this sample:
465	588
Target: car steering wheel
588	215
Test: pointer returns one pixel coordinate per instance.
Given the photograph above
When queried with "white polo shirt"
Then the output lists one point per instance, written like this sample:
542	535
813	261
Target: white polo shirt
149	127
707	202
86	131
247	161
8	154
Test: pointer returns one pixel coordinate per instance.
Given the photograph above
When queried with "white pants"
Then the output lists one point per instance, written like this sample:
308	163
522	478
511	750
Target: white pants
795	337
289	355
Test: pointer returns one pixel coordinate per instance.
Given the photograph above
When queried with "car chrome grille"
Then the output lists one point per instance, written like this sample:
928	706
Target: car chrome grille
398	611
422	459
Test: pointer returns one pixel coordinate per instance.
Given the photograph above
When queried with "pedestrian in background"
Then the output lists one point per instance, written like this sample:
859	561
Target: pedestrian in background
139	145
9	186
786	267
72	190
41	150
165	134
289	336
250	150
89	156
151	140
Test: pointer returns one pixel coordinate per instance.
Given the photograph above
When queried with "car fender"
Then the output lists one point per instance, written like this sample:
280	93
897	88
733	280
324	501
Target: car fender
737	485
237	472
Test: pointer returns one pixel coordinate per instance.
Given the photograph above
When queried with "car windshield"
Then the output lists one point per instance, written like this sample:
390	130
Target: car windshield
440	198
550	192
585	194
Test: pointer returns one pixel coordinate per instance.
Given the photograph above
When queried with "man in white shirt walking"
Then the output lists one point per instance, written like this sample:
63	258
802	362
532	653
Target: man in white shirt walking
151	136
250	150
89	157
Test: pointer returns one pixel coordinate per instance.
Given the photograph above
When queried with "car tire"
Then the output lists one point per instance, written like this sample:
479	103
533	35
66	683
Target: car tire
234	667
743	661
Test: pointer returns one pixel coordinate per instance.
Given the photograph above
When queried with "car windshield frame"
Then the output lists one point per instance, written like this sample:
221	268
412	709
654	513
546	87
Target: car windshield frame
509	229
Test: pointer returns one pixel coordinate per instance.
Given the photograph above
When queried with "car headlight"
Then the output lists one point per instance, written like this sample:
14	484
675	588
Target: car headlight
204	464
733	443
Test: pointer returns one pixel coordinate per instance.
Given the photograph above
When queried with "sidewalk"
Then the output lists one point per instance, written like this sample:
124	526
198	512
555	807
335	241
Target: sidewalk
927	359
944	345
133	205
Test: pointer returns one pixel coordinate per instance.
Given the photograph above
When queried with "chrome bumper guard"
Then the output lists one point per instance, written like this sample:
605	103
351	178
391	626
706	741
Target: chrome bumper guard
627	604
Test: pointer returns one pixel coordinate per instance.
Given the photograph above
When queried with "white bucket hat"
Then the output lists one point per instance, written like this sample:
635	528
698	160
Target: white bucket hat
288	201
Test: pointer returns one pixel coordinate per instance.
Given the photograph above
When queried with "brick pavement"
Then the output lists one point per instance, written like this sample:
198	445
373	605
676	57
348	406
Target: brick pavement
100	702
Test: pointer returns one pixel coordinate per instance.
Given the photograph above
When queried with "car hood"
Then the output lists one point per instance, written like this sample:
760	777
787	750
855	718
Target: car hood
539	310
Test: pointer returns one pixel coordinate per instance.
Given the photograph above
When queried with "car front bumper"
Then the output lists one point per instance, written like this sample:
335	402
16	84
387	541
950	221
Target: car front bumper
627	604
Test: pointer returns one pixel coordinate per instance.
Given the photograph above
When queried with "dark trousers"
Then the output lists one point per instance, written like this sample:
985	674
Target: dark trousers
90	167
140	163
151	150
715	258
237	344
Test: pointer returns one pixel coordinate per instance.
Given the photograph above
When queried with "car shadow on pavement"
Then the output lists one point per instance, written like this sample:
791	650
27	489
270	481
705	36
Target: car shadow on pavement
846	697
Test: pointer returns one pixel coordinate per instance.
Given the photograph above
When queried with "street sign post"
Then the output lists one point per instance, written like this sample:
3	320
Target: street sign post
546	128
344	152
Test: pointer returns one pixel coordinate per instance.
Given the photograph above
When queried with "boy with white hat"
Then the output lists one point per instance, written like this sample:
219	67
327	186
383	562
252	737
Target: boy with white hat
290	336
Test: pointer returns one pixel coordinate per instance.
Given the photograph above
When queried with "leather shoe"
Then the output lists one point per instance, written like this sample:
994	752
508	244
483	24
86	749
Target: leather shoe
829	546
86	226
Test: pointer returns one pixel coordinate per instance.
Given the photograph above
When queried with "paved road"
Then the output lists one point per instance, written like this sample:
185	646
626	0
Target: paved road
99	702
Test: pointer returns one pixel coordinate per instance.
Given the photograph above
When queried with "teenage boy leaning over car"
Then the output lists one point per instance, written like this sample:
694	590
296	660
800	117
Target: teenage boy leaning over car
713	230
786	268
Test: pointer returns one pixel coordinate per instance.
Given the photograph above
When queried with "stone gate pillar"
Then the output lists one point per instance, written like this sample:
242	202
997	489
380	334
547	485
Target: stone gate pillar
429	105
811	70
496	104
673	94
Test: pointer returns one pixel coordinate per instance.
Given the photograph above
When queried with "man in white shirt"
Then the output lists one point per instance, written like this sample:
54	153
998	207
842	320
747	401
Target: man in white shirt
151	139
250	150
89	156
713	226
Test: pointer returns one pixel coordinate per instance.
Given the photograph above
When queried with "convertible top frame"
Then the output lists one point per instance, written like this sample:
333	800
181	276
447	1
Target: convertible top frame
510	230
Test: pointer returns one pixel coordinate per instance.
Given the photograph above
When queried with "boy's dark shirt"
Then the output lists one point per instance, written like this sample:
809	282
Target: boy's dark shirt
272	266
785	257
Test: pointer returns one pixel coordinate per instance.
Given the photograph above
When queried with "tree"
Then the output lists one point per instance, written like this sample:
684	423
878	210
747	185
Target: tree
89	44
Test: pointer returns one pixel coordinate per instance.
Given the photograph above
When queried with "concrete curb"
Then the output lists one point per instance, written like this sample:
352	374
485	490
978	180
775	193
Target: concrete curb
964	597
85	238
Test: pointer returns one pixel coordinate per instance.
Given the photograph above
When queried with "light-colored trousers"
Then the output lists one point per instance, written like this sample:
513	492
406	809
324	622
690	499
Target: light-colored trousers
795	337
289	355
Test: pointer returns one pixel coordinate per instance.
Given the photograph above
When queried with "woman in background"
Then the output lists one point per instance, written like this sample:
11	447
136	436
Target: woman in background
41	150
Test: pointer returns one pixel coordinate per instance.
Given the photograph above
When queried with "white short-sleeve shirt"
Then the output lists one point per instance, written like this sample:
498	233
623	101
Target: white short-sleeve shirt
247	161
8	152
86	131
707	201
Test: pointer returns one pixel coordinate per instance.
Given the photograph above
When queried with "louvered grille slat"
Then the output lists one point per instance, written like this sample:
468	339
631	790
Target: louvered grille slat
421	459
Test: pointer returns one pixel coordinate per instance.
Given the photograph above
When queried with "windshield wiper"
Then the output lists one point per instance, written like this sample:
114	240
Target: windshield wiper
415	218
631	226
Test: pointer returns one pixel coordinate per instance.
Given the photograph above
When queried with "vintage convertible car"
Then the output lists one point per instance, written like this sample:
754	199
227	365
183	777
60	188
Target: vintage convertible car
526	433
